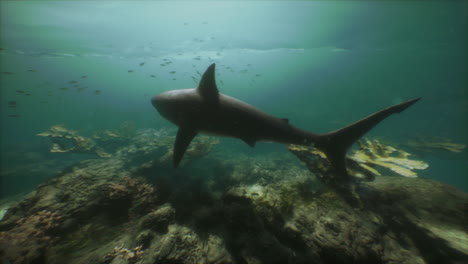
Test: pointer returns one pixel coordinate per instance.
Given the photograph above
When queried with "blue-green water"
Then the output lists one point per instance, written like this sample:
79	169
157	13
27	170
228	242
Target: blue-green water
322	65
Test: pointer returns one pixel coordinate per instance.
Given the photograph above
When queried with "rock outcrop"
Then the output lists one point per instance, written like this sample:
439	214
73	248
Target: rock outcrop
247	211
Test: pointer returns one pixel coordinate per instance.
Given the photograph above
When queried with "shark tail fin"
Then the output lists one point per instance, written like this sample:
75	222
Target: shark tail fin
336	143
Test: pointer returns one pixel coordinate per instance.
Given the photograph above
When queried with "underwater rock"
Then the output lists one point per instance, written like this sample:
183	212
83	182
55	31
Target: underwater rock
253	210
129	255
159	219
28	240
185	246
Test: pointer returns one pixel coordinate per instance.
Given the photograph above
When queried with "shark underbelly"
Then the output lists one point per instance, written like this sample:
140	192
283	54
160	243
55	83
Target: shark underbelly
254	128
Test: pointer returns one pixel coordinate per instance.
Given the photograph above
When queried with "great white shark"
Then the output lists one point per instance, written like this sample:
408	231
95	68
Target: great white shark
205	110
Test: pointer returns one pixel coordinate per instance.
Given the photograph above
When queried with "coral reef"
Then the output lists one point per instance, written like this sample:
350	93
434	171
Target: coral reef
65	140
126	142
374	153
365	163
200	147
111	140
29	239
129	255
130	208
433	144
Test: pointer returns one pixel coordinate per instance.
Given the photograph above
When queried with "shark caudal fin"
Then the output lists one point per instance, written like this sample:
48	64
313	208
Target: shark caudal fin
336	143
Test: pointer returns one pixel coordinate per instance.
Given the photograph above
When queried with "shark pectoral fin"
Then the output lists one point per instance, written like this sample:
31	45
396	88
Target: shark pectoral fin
207	86
249	141
183	139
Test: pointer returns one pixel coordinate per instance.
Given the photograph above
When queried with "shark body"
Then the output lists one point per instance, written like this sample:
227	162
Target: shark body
205	110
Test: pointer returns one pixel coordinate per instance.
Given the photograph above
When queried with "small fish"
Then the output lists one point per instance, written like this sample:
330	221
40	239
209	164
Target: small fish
141	64
84	77
81	89
72	82
168	62
64	88
199	73
165	59
27	94
8	73
14	115
162	64
221	81
97	92
12	102
32	70
186	23
258	75
172	72
197	58
76	85
20	91
130	71
153	76
174	79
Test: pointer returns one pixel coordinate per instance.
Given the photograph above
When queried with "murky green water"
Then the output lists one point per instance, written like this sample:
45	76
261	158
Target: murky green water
93	65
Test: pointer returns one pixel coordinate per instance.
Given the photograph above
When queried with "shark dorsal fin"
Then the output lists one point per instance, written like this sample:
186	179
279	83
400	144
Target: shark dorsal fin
207	87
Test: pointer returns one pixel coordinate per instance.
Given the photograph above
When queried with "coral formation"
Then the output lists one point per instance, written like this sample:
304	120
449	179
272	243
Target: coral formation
433	144
105	142
200	147
130	255
269	209
365	163
126	142
65	140
112	140
374	153
30	237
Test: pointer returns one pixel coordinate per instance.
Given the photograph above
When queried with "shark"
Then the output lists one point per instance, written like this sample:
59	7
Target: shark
207	111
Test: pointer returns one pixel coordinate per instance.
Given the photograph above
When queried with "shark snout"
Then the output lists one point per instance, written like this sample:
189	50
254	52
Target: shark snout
162	104
154	101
